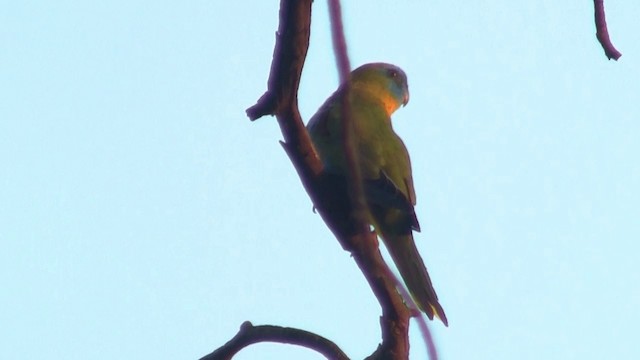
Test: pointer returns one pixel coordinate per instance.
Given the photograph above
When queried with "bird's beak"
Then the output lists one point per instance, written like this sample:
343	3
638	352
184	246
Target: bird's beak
406	98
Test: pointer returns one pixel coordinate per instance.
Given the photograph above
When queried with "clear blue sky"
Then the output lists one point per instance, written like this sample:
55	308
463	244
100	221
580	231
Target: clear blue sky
143	216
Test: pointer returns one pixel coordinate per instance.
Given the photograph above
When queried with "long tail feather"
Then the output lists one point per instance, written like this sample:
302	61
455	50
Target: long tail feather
414	273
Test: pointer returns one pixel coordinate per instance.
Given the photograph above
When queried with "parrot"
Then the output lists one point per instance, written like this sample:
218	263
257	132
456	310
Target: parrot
374	92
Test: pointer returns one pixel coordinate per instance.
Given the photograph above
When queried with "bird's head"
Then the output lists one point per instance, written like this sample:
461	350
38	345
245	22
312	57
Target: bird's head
386	81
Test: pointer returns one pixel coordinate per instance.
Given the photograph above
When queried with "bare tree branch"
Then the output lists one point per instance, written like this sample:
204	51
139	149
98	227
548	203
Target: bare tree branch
602	33
250	334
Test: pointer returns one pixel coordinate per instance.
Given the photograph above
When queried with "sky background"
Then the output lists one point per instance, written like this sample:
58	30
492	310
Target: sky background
143	216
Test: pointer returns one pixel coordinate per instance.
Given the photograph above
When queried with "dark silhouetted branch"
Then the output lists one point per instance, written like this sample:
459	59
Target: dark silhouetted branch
602	33
250	334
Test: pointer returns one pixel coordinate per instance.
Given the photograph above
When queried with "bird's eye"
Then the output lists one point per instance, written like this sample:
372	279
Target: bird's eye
392	73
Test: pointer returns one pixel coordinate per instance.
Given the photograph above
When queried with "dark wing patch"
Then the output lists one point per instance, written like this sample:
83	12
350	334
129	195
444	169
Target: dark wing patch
383	192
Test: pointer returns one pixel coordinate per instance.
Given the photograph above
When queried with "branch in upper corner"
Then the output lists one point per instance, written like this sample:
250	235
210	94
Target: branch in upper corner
602	33
250	334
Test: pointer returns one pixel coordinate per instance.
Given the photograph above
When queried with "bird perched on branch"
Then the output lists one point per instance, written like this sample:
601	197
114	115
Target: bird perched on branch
374	92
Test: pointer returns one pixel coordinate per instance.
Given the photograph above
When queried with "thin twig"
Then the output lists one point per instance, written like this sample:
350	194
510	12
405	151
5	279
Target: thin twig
428	338
339	42
602	33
